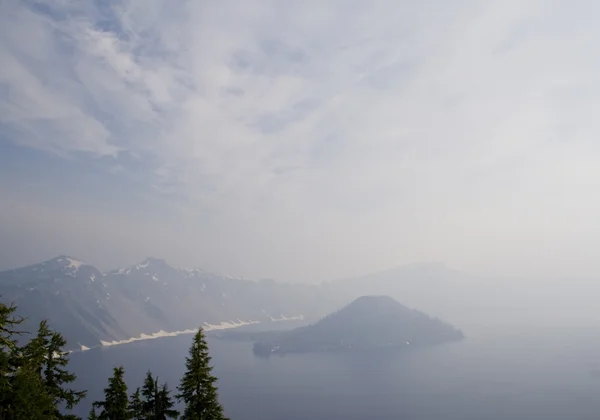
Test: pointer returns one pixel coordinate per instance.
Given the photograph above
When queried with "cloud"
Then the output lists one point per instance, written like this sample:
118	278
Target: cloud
342	123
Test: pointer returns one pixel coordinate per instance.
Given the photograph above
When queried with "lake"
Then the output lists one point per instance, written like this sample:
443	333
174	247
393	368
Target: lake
500	373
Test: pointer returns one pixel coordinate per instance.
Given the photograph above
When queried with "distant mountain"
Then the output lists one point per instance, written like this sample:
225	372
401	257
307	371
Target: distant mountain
368	323
432	287
88	306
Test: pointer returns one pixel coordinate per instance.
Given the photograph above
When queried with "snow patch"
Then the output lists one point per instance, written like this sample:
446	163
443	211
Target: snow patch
192	271
84	348
154	277
142	265
93	278
74	264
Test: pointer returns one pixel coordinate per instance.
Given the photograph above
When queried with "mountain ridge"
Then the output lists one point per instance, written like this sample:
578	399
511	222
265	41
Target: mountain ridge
90	307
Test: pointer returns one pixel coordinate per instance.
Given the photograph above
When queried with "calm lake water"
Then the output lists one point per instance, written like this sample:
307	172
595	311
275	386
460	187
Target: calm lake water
530	374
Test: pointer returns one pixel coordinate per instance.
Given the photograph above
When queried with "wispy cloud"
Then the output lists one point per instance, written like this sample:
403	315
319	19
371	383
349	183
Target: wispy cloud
395	123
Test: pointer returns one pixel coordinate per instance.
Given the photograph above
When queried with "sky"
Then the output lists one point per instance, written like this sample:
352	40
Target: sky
302	140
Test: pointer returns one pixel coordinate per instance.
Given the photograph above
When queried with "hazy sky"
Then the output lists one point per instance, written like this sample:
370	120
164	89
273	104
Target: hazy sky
302	140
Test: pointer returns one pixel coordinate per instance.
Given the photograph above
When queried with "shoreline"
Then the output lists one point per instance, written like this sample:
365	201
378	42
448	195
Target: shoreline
225	325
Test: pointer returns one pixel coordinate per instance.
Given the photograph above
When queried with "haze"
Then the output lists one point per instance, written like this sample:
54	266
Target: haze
302	141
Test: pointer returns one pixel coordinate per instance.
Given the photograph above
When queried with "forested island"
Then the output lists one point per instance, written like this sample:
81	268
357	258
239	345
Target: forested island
370	323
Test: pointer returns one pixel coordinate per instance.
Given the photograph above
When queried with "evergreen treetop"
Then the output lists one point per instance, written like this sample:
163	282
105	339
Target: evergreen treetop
165	404
135	406
46	351
116	404
157	403
198	388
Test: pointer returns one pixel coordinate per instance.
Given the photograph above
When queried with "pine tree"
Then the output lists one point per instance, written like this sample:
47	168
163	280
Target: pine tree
115	404
135	406
8	322
8	353
22	393
46	352
149	397
27	399
8	325
32	376
157	403
197	388
165	404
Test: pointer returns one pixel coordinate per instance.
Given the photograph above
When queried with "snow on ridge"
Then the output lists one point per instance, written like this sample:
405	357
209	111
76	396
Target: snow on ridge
74	264
235	278
291	318
191	272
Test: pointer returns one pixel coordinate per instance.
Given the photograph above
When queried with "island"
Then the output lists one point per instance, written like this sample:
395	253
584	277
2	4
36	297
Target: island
370	323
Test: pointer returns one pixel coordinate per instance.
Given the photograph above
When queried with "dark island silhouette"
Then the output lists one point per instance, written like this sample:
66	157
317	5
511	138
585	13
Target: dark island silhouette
370	323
